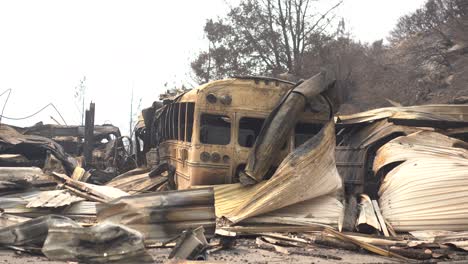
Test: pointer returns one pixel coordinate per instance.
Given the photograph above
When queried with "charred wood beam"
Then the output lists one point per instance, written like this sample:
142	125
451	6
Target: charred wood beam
89	136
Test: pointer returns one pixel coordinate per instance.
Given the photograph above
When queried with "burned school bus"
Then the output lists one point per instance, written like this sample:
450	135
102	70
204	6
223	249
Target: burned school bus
206	133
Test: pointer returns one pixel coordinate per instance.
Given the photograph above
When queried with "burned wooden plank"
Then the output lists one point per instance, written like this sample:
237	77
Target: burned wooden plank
89	136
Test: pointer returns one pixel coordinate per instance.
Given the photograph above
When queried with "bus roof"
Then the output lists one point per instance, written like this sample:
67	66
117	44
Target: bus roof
259	82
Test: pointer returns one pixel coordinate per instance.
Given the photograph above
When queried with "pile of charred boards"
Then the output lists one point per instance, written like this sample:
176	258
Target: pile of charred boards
391	181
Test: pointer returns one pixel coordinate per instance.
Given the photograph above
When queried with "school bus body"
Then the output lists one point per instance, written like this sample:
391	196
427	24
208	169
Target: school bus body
207	133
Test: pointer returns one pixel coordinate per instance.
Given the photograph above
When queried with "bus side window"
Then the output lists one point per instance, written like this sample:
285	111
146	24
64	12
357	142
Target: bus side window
215	129
304	132
175	121
249	128
163	124
189	116
182	115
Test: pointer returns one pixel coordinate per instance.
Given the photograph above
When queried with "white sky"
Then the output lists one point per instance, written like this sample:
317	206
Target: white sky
46	47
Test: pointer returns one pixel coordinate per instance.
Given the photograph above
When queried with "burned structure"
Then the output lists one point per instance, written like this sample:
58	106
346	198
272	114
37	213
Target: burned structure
207	133
236	158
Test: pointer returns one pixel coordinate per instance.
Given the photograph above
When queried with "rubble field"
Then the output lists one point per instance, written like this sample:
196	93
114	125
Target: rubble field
384	186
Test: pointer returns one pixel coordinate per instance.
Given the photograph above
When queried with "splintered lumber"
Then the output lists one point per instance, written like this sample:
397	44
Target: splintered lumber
426	189
364	245
274	228
413	253
333	242
307	173
279	124
163	215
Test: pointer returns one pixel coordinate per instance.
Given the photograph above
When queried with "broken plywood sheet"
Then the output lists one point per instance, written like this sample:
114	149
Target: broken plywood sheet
428	189
163	215
103	243
306	173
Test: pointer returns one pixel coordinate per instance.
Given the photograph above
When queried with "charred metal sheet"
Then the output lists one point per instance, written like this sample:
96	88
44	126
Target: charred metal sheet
137	181
163	215
9	220
103	243
33	147
17	205
326	209
55	198
53	131
278	124
33	232
355	151
425	182
26	174
293	181
367	221
444	116
17	179
16	160
191	245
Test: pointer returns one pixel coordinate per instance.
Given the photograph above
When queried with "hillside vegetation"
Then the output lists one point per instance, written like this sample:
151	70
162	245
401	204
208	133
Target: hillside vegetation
424	61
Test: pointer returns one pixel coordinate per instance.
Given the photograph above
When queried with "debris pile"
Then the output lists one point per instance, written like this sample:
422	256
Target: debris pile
390	181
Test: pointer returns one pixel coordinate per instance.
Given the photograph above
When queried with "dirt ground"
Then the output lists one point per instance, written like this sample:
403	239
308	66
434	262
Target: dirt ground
244	252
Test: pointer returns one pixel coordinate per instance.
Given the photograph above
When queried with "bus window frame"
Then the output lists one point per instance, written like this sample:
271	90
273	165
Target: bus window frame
231	126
